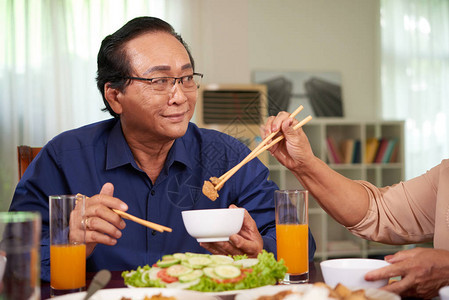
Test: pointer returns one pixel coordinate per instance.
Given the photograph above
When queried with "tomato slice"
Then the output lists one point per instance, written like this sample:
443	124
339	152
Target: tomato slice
162	274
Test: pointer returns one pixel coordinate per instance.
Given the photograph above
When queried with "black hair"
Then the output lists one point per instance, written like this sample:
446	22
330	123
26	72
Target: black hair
113	63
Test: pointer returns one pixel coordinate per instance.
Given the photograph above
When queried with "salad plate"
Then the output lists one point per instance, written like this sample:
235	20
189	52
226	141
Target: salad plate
207	273
139	294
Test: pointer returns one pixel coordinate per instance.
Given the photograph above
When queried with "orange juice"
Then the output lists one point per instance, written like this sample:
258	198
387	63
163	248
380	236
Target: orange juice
293	246
67	266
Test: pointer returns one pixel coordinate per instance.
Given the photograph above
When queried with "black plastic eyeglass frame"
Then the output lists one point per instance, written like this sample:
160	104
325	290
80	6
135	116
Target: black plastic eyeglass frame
174	78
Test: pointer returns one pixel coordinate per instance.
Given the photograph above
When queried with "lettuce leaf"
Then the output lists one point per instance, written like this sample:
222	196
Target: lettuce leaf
140	278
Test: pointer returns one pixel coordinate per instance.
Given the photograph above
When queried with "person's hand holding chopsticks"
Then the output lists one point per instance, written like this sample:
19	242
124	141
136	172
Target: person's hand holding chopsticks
295	147
211	188
103	219
103	226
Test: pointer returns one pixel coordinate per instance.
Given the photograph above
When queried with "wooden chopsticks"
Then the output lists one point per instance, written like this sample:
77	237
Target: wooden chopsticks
140	221
146	223
218	182
259	149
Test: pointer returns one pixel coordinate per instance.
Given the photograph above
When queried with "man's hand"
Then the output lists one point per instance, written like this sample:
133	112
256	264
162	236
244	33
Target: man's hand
248	241
423	272
102	224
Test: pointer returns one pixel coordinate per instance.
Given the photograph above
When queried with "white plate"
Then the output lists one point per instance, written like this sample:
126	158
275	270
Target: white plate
213	294
269	290
139	294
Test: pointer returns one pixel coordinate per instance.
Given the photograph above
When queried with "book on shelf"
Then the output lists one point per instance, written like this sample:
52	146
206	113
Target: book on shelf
383	144
356	157
333	152
394	154
371	147
347	150
350	151
389	151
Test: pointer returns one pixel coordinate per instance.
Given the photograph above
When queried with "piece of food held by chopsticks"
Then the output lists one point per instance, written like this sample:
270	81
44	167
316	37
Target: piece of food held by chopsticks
143	222
214	184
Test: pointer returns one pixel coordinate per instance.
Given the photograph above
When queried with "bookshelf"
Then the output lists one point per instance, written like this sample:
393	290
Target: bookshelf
334	240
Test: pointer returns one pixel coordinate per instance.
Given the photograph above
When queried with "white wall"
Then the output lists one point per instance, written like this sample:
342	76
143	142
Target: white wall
240	36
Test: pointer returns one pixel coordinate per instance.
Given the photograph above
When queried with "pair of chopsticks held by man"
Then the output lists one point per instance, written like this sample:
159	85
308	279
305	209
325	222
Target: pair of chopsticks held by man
150	161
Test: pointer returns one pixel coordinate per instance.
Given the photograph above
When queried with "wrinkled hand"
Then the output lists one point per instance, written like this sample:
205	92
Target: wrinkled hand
248	241
102	224
423	272
295	149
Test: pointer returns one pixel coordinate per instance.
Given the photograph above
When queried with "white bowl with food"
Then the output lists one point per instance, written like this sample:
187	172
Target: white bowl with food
351	272
213	225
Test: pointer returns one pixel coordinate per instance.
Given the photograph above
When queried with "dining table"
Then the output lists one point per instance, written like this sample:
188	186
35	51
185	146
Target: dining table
315	275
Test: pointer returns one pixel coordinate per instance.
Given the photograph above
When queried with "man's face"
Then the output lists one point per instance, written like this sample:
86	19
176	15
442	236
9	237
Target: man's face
144	113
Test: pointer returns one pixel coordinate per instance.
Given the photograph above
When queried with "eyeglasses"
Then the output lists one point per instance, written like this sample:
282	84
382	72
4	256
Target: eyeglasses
163	85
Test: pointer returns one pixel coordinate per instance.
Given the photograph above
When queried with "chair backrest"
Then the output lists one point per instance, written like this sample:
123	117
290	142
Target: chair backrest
25	154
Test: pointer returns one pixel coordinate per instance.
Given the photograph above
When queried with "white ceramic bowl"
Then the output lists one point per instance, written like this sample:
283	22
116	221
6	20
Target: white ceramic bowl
213	225
444	293
351	271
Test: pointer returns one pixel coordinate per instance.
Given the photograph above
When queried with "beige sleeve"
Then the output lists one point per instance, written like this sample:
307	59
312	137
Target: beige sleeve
400	214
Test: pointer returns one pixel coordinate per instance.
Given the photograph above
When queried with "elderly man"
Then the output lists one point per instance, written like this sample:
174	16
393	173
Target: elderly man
149	160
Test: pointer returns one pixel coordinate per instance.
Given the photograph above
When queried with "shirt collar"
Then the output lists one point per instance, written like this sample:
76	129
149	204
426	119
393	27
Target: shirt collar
118	152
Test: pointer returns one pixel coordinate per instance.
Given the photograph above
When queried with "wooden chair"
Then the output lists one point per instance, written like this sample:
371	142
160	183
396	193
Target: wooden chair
25	154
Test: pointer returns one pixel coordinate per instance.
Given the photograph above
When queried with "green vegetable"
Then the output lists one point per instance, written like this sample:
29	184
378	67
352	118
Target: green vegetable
191	276
254	273
227	271
267	272
178	270
140	278
165	263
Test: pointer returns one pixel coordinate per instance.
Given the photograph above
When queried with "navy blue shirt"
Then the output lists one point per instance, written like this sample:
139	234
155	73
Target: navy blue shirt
82	160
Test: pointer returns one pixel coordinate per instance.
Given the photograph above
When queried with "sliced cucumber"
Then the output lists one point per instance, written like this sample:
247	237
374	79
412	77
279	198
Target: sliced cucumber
199	262
168	257
191	276
221	259
227	271
210	272
167	262
183	285
153	273
145	277
186	264
247	262
179	256
178	270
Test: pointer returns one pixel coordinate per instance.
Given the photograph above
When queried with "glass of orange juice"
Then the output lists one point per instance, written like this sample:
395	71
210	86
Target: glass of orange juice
292	234
67	244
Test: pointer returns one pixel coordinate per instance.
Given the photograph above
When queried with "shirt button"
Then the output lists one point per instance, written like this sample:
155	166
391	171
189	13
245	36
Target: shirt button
153	232
153	192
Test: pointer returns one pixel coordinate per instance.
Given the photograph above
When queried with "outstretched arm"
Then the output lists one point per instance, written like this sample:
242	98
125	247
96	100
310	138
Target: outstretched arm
344	199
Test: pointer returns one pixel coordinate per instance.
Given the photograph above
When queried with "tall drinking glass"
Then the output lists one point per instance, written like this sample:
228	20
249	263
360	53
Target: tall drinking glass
292	234
67	244
20	236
